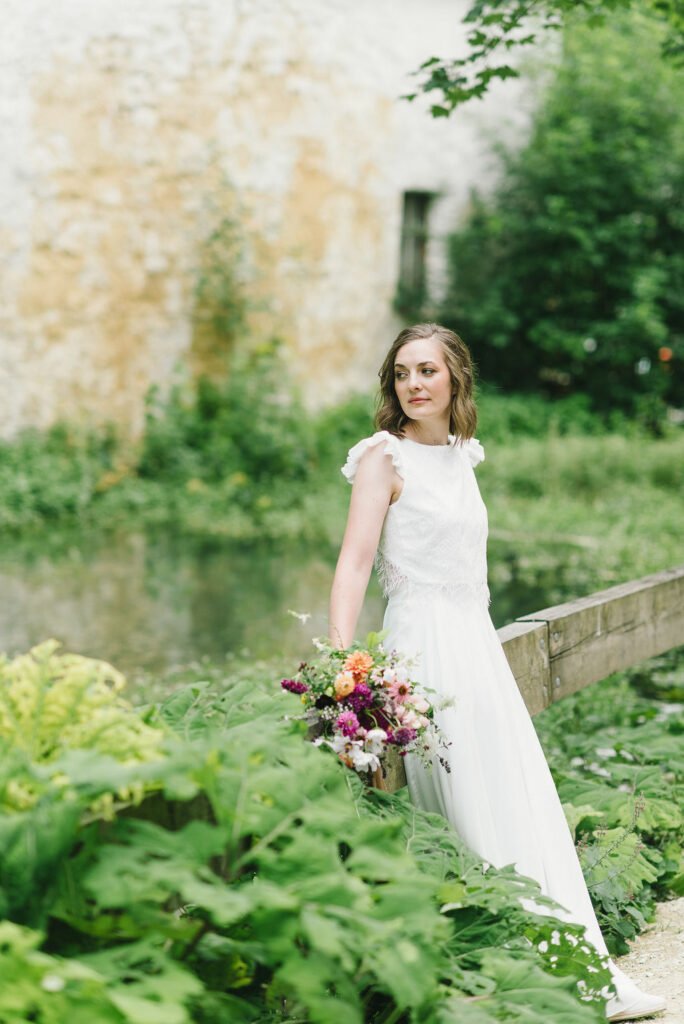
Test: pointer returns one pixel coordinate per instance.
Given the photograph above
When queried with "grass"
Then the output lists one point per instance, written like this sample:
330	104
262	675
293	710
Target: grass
613	503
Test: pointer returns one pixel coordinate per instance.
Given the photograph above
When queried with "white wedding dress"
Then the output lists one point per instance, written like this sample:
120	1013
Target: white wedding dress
499	795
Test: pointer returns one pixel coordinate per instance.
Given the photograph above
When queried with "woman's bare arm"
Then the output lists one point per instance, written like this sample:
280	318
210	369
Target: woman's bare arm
375	485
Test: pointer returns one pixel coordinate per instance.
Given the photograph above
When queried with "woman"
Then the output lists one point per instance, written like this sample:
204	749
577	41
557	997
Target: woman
416	510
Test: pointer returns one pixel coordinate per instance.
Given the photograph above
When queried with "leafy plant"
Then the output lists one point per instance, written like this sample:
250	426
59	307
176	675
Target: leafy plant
497	28
261	882
50	703
617	761
220	301
568	279
46	988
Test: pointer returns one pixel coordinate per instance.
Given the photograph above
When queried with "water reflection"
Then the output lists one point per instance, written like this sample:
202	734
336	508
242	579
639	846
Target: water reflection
155	601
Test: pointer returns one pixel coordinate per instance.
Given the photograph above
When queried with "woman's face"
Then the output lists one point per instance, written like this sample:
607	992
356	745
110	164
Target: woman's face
422	380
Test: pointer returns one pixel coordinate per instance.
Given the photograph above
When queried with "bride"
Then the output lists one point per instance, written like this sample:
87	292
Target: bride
416	511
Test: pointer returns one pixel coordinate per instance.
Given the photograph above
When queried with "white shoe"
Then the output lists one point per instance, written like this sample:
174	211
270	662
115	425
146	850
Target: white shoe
644	1005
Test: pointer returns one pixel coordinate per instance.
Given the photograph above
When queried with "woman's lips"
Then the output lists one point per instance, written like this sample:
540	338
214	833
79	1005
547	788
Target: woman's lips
415	401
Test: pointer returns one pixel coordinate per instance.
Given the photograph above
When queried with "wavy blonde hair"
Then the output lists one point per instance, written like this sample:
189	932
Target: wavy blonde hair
463	416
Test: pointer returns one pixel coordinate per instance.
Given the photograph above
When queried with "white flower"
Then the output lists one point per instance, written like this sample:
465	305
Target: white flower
352	750
363	760
429	744
52	983
340	744
375	741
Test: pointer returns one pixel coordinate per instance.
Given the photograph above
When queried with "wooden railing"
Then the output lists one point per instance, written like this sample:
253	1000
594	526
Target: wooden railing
561	649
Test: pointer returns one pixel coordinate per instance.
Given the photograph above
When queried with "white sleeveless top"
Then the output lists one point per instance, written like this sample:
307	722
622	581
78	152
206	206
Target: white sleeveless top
434	537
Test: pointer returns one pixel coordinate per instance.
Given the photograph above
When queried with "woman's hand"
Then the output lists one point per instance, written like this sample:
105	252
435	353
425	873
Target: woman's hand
376	485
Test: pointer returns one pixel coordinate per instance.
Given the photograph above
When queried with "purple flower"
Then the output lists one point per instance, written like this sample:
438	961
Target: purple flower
361	698
294	686
403	736
347	723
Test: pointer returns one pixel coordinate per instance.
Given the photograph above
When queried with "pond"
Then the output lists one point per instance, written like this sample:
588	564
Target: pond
149	603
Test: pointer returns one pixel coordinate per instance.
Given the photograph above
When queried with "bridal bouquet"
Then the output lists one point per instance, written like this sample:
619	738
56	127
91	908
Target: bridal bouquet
361	703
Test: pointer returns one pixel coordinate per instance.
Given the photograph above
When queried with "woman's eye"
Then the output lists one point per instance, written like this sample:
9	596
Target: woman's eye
428	369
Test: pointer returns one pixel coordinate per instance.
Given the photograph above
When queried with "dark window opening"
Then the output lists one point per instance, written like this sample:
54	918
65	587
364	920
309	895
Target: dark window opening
412	287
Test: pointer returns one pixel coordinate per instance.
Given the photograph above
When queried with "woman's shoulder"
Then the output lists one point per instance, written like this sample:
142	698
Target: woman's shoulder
381	440
473	450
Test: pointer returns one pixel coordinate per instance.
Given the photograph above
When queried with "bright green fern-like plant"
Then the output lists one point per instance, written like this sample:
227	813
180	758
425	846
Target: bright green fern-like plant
51	703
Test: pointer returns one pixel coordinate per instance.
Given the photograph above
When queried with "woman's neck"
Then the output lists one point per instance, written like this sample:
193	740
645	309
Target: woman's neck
428	433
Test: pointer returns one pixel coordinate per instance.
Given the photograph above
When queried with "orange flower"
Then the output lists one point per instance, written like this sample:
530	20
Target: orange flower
664	354
359	664
344	685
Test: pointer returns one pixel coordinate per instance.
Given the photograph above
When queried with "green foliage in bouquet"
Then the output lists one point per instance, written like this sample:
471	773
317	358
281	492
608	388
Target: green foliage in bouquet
255	881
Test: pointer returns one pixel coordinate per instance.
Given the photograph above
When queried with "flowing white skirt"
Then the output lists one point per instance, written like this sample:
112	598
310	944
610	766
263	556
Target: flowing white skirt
499	795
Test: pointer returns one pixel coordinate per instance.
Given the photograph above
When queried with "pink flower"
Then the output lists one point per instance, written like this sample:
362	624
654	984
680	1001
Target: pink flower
418	702
399	691
408	718
347	723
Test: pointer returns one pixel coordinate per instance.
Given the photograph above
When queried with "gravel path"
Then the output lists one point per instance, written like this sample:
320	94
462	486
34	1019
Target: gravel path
656	960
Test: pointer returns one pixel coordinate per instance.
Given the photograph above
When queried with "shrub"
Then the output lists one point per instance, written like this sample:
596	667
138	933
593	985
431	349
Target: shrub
250	429
570	277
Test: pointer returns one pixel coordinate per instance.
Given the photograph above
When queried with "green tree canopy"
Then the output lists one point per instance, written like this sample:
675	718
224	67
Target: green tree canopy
570	277
499	28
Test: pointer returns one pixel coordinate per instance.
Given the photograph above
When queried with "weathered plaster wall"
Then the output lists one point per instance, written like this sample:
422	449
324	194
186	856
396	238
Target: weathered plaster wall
129	129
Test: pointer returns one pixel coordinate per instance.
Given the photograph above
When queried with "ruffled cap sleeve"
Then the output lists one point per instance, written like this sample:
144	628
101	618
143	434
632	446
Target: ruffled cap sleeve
383	437
474	451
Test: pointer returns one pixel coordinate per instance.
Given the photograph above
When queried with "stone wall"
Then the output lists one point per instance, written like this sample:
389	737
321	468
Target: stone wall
130	130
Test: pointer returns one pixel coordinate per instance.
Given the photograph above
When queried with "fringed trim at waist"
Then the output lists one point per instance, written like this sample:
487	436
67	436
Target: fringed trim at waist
393	582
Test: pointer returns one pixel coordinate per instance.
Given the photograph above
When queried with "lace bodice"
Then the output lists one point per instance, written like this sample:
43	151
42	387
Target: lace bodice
435	534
